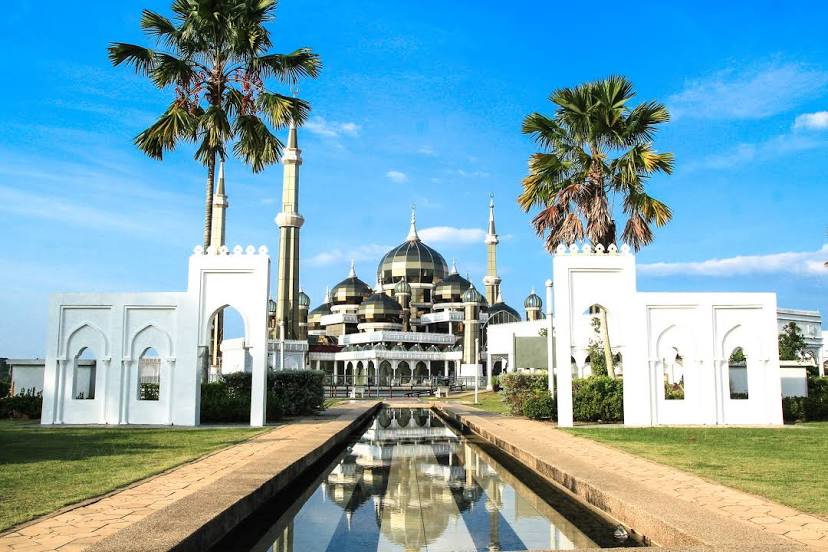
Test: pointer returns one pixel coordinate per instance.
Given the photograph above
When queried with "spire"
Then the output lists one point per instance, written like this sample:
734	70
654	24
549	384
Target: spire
327	295
491	216
352	274
220	188
412	231
293	141
499	296
453	266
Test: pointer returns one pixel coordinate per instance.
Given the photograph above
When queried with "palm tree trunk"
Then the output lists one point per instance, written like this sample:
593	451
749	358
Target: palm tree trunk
605	339
208	207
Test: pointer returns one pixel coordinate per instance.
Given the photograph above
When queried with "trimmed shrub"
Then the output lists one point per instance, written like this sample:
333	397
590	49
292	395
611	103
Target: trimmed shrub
812	408
301	392
26	405
540	406
519	386
495	383
598	399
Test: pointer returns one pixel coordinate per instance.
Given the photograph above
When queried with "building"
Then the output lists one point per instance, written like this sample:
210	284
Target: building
810	324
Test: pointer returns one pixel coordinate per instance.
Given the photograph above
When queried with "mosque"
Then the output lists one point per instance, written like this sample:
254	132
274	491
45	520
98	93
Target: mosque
420	321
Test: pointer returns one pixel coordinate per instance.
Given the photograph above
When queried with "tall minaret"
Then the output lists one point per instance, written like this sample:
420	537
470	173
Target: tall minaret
491	281
289	221
220	205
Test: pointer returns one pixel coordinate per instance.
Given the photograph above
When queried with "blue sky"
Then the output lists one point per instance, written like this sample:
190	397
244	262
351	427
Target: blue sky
419	102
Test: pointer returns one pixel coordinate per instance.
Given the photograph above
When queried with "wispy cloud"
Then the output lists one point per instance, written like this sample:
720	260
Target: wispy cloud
742	154
789	262
748	93
470	174
343	255
426	150
812	121
452	235
331	129
396	176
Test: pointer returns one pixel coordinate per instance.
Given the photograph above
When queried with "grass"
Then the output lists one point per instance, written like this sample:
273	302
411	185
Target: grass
784	464
489	401
43	469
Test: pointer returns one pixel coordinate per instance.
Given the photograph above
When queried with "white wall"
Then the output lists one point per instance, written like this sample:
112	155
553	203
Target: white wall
119	327
27	375
794	381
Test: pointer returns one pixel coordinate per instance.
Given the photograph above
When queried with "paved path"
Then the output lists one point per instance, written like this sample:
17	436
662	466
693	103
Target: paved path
85	526
627	485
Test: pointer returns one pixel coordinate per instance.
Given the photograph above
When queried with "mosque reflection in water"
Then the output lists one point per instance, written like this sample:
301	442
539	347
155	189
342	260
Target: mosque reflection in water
411	483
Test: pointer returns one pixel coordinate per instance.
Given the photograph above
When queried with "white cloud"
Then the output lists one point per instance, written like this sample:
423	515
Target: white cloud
790	262
331	129
450	234
426	150
343	255
751	93
812	121
741	154
396	176
470	174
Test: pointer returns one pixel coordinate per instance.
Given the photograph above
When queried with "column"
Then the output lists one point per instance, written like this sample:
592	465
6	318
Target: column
550	339
489	386
61	383
168	383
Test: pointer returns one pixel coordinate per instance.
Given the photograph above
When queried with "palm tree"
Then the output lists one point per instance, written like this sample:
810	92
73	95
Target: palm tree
215	56
595	146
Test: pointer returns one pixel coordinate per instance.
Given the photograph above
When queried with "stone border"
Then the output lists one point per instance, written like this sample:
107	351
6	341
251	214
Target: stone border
661	519
198	521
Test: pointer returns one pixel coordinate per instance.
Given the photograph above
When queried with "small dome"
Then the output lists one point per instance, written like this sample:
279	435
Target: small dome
450	289
414	260
533	301
402	287
303	300
379	307
351	290
471	295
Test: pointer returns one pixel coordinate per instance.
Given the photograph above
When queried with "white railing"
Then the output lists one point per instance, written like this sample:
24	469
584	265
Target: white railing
397	337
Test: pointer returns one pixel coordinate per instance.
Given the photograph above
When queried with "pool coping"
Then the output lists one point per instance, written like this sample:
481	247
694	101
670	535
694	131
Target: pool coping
665	521
201	519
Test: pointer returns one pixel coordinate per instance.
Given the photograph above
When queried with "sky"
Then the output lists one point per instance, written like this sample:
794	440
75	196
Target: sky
418	103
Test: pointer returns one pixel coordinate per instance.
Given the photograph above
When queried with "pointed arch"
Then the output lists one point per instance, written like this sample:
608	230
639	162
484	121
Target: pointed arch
86	335
150	335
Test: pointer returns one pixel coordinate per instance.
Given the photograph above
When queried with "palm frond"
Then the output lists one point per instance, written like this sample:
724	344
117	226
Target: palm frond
256	145
280	110
138	57
171	70
176	124
159	27
289	67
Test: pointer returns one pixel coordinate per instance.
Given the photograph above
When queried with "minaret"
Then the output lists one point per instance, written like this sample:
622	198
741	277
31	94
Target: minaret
220	205
471	325
289	221
491	281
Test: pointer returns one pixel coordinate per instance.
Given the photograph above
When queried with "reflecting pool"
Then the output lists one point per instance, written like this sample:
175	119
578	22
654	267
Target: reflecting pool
411	483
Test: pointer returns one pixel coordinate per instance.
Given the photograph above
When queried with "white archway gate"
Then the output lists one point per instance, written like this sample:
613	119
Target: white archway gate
119	327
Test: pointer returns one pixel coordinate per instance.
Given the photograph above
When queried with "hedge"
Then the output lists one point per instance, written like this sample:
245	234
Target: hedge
25	405
598	399
289	393
519	386
812	408
540	406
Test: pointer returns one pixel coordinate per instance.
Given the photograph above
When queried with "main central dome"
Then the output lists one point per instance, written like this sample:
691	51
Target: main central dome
419	263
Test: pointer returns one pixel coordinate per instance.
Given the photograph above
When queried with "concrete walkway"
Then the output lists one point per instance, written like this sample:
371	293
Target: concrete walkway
167	509
672	507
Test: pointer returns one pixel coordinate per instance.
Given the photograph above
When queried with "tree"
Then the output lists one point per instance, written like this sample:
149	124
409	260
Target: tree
595	145
214	55
791	342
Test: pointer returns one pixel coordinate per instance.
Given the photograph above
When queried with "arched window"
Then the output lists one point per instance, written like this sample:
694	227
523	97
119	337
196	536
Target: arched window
673	366
738	374
85	374
149	375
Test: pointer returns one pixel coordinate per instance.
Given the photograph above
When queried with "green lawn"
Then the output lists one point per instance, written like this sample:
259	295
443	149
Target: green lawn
788	465
42	469
489	401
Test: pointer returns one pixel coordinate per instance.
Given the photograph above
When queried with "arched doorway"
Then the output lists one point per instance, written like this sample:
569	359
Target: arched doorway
403	373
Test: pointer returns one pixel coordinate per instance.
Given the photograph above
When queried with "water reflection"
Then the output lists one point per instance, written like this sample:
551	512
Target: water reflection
410	483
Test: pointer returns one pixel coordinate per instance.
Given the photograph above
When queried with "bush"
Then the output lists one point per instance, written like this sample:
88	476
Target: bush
26	405
598	399
519	386
540	406
812	408
495	383
301	392
5	387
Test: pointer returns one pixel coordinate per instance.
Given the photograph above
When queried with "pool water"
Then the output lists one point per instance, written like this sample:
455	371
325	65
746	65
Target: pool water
410	482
